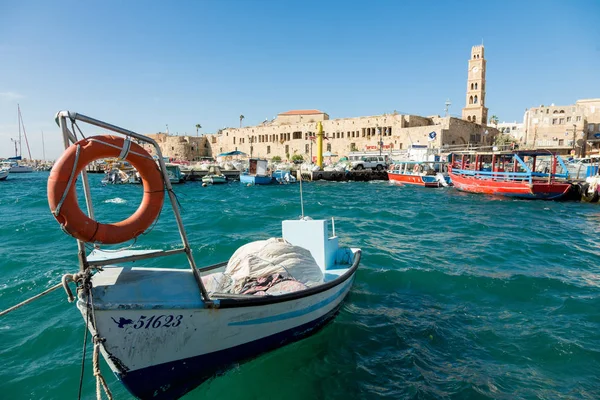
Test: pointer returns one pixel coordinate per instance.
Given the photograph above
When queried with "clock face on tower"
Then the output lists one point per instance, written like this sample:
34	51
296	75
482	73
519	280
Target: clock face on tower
475	69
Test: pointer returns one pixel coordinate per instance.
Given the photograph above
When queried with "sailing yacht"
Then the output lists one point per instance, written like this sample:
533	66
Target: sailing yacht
12	164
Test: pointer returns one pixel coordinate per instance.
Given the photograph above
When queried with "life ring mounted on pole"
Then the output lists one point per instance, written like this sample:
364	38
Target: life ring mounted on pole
416	169
62	197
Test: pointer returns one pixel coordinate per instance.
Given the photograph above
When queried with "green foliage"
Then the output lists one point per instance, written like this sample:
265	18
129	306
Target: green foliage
297	157
494	120
276	158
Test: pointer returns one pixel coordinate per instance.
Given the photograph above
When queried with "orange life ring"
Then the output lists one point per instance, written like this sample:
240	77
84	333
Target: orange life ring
69	215
416	168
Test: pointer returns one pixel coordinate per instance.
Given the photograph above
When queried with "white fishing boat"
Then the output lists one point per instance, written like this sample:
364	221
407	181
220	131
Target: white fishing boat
164	331
3	173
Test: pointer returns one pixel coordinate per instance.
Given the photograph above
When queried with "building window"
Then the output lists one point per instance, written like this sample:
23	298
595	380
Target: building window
553	121
234	140
268	149
172	148
328	146
287	149
400	146
469	118
472	86
475	85
306	147
561	142
471	100
578	118
475	100
474	119
561	121
590	127
297	135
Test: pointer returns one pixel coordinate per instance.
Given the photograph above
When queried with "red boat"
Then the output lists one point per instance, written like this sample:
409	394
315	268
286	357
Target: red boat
420	173
532	174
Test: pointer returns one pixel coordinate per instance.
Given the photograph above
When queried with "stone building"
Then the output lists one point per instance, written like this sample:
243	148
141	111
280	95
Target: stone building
573	127
293	132
475	110
187	148
514	129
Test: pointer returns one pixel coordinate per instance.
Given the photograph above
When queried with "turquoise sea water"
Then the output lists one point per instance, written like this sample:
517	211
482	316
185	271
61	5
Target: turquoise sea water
458	296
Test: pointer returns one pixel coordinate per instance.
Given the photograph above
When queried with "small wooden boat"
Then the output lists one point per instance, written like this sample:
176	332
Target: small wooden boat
257	173
527	174
420	173
214	176
164	331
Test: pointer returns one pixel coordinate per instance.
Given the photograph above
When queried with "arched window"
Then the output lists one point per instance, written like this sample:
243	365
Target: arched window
471	86
474	119
471	100
475	86
475	99
469	118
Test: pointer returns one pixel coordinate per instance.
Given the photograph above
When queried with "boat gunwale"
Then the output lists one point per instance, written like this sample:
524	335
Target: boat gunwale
266	300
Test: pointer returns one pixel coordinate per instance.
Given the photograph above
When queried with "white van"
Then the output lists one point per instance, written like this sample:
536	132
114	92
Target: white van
368	161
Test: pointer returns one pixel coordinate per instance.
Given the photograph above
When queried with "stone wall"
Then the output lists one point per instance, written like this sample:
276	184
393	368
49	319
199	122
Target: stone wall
186	148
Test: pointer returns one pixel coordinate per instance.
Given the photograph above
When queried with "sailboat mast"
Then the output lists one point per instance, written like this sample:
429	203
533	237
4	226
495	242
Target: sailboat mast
24	133
43	147
19	118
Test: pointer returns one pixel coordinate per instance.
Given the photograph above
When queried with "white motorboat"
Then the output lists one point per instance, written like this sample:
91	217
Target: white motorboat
164	331
3	174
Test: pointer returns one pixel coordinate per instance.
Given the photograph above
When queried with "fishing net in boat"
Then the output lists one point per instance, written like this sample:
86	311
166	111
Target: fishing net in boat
265	258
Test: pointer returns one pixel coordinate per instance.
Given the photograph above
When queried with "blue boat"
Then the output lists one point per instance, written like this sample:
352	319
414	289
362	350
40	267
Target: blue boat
257	173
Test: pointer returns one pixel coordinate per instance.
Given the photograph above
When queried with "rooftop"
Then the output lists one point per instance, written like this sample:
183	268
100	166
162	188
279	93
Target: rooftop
302	112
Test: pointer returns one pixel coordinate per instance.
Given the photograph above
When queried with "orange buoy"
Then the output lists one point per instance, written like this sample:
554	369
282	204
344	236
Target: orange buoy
65	208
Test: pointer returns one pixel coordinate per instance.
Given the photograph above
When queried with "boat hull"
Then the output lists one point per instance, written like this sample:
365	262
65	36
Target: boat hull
214	179
256	180
162	353
21	169
3	175
519	189
419	180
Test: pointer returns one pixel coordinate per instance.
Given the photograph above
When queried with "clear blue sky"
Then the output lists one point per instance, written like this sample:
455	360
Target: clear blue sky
144	64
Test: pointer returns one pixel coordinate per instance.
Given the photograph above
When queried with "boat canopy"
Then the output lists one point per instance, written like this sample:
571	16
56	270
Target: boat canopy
232	153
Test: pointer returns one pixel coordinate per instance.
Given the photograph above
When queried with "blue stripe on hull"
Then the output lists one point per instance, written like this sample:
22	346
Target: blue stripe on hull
174	379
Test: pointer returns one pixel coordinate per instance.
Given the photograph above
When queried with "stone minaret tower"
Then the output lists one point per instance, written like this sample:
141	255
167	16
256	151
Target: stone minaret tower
475	111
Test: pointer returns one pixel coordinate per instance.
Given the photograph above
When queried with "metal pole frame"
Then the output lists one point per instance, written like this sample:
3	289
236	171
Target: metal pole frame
69	137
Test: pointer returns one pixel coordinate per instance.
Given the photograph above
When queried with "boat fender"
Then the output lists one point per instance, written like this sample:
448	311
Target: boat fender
62	197
320	176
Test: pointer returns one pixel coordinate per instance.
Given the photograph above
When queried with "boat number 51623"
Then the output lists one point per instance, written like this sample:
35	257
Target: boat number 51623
155	321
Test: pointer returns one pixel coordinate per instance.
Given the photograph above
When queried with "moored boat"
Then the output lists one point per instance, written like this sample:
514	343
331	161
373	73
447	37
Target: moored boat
420	173
214	176
257	173
164	331
3	173
526	174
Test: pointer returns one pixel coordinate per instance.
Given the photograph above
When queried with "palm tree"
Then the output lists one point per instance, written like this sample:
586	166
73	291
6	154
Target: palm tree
494	120
241	118
198	126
